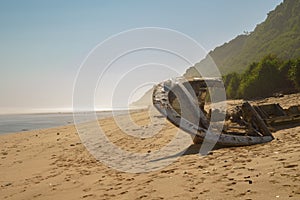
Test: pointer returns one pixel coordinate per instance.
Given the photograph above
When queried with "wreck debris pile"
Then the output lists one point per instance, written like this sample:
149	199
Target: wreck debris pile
182	102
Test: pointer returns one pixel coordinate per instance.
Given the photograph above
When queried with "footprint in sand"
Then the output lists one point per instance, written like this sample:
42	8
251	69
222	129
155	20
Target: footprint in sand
231	183
143	196
273	181
241	194
204	191
228	190
86	189
291	166
124	192
88	195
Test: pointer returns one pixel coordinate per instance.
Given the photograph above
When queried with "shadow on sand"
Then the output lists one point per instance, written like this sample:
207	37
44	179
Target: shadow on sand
285	126
193	149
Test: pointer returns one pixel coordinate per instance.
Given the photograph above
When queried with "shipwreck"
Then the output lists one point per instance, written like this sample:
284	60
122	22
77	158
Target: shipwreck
184	103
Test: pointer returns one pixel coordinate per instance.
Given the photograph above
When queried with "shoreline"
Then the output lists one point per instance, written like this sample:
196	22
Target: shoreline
27	122
70	111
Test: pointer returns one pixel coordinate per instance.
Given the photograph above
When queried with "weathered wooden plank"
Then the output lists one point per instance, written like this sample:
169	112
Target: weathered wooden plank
253	116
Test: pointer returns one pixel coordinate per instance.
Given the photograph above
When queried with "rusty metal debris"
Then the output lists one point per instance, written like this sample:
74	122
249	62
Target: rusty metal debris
183	103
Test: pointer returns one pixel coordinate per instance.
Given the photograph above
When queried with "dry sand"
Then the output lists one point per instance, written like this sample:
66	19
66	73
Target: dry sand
53	164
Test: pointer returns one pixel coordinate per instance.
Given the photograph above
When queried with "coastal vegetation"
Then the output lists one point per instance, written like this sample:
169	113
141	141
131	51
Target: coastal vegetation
271	75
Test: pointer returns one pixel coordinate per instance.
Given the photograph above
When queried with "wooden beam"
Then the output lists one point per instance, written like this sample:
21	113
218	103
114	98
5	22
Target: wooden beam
251	114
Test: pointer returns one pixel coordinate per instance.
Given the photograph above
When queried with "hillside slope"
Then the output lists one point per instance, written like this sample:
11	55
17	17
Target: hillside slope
145	100
279	34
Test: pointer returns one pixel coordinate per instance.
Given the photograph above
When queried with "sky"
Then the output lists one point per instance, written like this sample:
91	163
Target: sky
44	43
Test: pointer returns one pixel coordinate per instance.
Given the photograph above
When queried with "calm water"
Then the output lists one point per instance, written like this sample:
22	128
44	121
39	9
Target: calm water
23	122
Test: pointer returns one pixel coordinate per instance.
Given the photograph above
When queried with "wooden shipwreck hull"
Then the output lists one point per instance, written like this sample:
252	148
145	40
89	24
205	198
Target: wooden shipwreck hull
182	102
274	115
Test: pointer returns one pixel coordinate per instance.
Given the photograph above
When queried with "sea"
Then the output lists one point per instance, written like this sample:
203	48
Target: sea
11	123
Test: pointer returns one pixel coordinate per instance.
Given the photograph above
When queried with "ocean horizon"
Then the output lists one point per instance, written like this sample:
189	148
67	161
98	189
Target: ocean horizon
19	122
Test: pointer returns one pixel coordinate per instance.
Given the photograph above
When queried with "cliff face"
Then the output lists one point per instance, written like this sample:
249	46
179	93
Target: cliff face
279	34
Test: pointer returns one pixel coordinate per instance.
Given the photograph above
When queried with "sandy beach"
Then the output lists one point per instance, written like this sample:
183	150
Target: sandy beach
54	164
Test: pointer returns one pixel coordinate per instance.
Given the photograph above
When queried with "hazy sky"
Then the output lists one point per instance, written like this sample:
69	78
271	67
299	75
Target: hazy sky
42	43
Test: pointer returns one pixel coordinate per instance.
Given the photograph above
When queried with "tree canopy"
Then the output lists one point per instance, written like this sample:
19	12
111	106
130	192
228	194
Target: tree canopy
269	76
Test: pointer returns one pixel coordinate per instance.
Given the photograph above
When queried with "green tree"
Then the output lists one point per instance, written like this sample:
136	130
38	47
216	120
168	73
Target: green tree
286	85
262	79
233	86
294	74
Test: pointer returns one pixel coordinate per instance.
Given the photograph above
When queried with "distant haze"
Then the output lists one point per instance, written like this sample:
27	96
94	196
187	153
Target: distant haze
43	43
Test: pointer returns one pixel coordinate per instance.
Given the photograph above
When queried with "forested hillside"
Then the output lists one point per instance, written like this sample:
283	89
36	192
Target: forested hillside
279	35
